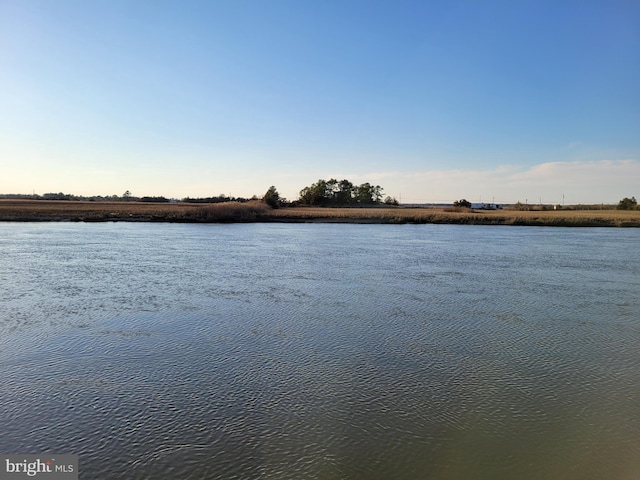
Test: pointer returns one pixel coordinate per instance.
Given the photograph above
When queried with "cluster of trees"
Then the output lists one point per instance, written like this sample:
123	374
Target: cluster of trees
333	192
67	196
154	199
628	204
462	203
222	198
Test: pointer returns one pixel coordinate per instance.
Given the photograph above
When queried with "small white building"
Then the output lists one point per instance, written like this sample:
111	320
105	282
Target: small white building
486	206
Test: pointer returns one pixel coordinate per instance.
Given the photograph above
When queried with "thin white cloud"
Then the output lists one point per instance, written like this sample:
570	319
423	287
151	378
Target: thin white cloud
604	181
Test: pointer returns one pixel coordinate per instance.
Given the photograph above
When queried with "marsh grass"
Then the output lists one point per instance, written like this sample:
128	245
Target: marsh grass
39	210
256	211
614	218
232	212
48	210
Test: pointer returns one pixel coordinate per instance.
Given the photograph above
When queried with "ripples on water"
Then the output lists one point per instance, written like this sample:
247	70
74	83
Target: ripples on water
322	351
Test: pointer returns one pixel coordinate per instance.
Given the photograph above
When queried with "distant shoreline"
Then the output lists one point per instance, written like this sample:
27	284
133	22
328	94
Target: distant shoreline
231	212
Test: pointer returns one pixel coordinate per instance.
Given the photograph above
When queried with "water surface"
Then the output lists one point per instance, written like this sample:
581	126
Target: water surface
322	351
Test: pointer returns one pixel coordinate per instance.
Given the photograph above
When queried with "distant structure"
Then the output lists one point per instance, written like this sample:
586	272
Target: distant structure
487	206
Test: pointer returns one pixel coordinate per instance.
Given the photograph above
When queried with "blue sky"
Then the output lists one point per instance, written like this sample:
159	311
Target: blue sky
434	101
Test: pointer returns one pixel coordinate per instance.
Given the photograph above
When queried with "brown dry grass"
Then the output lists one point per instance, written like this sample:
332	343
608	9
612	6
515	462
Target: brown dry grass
40	210
232	212
43	210
617	218
46	210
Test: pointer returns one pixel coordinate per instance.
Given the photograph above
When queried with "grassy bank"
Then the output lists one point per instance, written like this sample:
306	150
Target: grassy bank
78	211
34	210
569	218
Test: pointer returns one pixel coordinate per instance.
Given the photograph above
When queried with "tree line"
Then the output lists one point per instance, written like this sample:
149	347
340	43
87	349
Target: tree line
125	197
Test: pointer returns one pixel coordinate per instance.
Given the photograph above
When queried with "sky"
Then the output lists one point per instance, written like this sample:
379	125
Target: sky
531	101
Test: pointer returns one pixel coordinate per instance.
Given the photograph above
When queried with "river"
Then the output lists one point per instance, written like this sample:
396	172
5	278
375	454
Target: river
322	351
